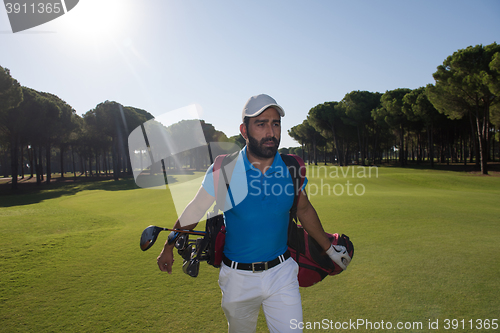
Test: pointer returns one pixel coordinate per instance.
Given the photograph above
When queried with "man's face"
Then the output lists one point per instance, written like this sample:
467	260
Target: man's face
264	133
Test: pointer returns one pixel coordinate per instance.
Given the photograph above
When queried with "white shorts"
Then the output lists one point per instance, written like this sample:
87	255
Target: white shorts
277	290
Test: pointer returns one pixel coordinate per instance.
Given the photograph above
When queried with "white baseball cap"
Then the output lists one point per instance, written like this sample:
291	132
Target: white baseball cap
258	104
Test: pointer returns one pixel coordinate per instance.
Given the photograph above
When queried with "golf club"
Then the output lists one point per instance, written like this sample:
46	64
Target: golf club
150	234
187	253
181	242
191	267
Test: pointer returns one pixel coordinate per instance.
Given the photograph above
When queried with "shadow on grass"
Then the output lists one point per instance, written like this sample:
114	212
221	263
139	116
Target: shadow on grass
28	192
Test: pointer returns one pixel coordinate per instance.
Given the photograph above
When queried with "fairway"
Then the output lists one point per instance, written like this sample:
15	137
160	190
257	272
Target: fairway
427	252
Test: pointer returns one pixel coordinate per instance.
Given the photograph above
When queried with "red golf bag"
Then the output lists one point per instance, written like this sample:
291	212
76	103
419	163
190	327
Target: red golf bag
314	263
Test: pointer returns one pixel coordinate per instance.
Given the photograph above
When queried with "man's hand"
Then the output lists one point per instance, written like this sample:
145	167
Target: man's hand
166	259
339	255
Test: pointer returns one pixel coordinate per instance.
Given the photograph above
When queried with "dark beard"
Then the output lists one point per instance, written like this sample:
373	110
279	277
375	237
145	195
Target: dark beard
258	149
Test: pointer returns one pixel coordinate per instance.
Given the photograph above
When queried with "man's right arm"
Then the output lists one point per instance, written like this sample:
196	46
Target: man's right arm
189	218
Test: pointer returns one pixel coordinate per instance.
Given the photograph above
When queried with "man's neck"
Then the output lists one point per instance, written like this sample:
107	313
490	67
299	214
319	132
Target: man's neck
263	164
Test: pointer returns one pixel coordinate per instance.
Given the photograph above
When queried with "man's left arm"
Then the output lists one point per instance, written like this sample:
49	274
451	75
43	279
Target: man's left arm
310	221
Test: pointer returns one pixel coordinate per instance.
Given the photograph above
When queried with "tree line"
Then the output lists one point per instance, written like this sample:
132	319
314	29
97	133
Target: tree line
455	119
41	134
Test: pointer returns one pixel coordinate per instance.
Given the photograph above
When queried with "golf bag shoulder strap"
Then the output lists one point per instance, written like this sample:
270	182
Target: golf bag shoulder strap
216	173
297	170
213	242
222	163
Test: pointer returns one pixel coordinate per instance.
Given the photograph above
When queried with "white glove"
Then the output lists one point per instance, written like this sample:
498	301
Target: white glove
339	255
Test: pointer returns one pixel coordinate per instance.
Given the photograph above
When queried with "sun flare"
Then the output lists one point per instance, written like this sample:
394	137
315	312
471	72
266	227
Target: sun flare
93	21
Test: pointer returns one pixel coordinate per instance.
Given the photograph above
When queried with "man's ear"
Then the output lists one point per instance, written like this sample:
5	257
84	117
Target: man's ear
243	131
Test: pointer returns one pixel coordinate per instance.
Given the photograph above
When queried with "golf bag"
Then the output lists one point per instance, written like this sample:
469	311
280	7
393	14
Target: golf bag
215	228
210	248
314	263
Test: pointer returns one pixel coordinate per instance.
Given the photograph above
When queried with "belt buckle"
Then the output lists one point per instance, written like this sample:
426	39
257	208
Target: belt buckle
260	270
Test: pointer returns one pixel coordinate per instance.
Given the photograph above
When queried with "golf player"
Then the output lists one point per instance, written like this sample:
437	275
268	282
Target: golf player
257	269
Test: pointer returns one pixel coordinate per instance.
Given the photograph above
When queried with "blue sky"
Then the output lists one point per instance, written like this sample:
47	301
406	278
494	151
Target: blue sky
161	55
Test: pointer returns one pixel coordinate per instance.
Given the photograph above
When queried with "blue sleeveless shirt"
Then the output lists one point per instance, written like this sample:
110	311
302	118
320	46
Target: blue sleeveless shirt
257	225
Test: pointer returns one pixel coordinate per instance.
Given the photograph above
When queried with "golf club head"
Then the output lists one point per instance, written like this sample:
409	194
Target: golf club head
149	236
187	253
181	242
191	267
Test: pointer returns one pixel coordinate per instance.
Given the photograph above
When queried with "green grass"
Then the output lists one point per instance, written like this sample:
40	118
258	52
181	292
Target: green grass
426	248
